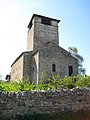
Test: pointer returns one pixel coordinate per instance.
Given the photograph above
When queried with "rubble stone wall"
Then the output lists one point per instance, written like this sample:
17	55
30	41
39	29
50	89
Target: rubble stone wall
12	104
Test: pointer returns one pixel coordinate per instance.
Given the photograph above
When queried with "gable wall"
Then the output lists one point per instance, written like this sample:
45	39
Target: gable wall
17	69
59	58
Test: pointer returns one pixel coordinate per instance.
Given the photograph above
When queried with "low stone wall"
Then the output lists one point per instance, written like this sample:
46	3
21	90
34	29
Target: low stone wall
21	103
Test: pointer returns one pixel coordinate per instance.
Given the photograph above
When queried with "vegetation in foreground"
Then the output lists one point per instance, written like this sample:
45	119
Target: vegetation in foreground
66	115
54	83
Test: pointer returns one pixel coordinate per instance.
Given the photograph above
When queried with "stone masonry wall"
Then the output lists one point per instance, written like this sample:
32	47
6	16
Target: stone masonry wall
12	104
62	60
17	66
39	34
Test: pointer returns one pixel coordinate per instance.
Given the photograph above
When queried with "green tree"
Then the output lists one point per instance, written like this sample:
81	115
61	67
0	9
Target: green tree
74	52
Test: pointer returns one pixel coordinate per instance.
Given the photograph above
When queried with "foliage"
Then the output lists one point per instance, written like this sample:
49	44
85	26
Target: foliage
55	80
74	52
54	83
43	77
67	82
83	82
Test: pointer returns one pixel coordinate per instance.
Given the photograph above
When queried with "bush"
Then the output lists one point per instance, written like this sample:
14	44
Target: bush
83	82
54	83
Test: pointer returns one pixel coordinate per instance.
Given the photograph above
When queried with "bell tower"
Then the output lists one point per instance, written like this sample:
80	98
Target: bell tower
42	30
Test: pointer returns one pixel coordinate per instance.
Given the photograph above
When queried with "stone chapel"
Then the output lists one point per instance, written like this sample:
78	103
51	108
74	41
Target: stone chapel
43	53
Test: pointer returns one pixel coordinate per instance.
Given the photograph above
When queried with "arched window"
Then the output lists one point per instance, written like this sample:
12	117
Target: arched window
53	67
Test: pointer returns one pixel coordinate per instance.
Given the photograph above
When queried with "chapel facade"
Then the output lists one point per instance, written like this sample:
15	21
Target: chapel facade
43	53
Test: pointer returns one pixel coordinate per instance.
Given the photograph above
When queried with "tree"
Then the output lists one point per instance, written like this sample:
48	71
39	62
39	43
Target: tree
74	53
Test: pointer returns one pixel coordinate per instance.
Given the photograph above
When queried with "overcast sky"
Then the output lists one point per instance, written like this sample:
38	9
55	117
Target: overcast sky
74	28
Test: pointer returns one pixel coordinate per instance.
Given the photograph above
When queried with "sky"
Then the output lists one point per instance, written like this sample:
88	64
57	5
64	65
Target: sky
74	28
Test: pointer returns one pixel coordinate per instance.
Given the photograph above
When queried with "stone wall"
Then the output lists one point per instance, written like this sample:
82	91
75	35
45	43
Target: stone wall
17	66
30	37
27	66
54	54
21	69
39	34
12	104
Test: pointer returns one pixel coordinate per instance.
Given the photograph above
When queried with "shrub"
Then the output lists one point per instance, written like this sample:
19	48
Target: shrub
43	77
83	82
54	83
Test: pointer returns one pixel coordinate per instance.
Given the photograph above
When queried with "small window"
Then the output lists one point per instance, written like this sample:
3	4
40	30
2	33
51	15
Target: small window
46	21
70	70
53	67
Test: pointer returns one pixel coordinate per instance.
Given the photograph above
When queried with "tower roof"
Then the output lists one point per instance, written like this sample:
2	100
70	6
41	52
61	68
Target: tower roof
36	15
